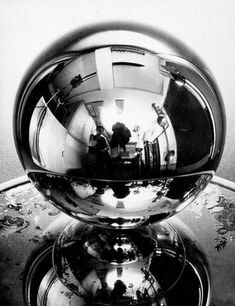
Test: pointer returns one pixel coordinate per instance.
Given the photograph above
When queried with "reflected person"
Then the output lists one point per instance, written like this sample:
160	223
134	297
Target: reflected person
99	149
121	136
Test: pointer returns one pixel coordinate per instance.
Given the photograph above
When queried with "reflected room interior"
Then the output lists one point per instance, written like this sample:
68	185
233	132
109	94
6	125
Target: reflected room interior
151	124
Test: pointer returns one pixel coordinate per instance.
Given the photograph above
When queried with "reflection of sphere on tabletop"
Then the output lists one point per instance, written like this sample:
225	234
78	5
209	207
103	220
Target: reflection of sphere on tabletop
119	267
158	265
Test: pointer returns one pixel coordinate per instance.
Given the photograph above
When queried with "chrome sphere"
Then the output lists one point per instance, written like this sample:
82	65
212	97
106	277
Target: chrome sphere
119	127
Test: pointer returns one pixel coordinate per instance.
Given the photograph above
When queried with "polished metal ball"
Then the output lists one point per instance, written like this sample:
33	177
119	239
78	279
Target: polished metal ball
119	126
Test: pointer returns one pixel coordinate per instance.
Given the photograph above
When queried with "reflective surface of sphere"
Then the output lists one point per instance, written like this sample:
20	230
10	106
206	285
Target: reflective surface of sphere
119	128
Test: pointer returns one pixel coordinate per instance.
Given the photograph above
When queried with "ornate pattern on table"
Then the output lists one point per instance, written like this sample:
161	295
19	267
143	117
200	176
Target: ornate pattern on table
220	203
21	206
17	205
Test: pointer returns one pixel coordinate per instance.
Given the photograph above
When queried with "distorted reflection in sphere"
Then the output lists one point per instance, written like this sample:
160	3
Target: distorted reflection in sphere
119	134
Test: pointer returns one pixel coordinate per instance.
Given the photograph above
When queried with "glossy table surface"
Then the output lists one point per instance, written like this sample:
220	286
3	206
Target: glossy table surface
29	223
